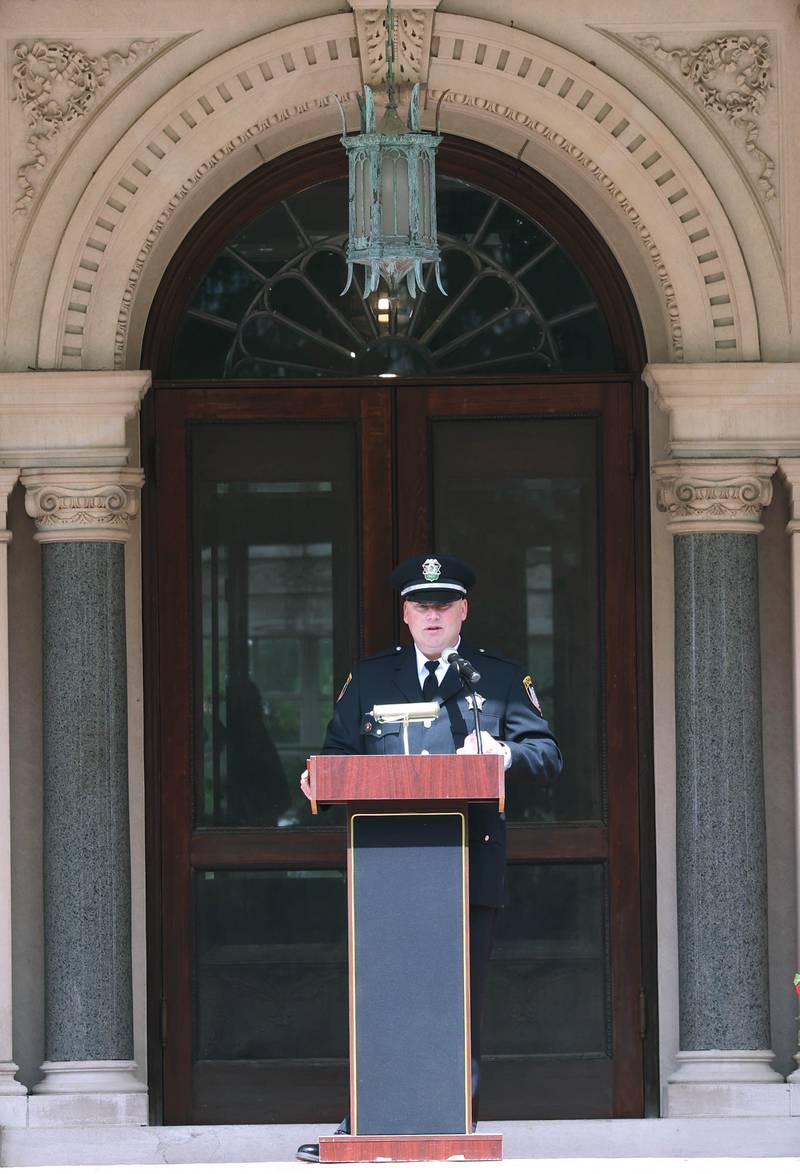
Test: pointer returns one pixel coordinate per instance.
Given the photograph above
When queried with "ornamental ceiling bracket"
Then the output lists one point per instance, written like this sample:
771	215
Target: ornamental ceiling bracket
412	49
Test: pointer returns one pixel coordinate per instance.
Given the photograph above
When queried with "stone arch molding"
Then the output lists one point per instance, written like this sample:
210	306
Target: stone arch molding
525	95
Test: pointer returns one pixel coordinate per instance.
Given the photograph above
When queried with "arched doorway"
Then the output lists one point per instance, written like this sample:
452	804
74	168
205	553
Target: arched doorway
301	446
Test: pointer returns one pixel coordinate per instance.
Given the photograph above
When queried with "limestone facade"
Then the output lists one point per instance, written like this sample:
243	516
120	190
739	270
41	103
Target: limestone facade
671	130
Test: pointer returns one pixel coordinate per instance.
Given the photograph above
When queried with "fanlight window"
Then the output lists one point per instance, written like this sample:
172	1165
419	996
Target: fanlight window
269	305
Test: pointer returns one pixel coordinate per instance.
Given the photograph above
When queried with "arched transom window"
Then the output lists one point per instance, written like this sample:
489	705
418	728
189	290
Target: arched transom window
270	304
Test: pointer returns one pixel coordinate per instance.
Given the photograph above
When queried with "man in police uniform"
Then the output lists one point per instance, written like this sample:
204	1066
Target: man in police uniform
434	589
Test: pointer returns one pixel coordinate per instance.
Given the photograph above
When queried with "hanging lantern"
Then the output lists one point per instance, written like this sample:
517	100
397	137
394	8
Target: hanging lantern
392	196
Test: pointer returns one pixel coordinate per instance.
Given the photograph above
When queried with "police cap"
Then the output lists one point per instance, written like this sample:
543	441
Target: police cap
433	578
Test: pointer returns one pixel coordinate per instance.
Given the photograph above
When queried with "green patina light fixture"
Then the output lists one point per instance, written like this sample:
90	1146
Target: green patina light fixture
392	198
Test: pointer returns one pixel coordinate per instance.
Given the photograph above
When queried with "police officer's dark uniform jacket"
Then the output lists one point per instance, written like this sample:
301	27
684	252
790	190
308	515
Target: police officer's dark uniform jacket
508	713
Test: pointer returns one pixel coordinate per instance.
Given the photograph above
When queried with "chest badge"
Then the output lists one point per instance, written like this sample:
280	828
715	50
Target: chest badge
480	700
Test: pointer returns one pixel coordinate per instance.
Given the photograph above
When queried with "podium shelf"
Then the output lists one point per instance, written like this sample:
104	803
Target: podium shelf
466	778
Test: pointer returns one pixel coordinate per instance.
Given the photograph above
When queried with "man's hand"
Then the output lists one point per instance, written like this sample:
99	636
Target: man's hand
305	786
490	745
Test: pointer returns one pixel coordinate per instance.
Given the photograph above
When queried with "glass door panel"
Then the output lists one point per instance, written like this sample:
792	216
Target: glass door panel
274	516
271	992
531	487
519	501
262	568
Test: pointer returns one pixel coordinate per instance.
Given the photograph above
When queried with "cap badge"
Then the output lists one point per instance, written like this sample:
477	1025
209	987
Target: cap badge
431	570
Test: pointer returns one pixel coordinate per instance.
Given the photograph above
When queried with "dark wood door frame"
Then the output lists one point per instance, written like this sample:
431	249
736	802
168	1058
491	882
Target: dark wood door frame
168	478
518	183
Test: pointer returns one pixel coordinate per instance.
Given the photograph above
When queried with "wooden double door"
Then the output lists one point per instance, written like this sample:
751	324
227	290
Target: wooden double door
276	514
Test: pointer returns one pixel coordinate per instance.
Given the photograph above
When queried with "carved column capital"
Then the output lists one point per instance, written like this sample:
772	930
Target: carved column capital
714	497
82	505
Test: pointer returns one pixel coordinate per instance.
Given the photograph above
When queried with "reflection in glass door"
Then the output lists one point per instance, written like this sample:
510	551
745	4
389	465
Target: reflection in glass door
519	500
261	611
292	515
532	488
275	566
277	620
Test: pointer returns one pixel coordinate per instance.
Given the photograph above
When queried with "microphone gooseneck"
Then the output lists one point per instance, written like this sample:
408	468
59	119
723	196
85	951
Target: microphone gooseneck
470	676
465	670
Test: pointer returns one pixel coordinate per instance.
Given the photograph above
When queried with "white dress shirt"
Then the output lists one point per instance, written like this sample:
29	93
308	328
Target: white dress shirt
422	660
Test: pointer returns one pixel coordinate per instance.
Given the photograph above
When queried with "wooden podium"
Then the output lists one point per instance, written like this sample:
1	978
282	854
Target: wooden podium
408	949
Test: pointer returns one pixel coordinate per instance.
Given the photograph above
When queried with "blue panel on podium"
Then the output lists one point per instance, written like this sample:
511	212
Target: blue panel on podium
409	973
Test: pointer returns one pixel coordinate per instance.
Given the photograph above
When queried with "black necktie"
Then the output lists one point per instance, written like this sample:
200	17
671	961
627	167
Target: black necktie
430	688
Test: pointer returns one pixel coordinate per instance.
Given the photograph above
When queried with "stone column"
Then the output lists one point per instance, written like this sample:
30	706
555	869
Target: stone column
723	1066
82	519
13	1101
790	469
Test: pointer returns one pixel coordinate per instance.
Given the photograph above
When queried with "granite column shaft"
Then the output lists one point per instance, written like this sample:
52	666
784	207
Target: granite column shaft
714	509
82	520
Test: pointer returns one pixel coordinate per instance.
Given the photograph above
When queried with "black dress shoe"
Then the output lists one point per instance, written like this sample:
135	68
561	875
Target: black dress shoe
310	1151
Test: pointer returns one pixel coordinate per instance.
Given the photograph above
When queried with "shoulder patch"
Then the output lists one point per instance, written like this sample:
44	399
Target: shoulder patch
343	689
527	684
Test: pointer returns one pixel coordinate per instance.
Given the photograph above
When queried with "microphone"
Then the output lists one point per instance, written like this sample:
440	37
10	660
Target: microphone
464	669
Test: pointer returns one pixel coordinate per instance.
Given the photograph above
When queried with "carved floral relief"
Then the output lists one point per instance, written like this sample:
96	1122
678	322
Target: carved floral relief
56	83
732	75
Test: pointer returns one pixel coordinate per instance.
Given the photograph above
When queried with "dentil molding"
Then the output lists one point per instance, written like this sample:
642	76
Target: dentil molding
454	98
728	78
712	497
613	191
79	506
254	131
493	71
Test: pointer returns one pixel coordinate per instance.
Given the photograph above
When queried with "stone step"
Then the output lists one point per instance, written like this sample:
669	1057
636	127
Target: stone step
657	1145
